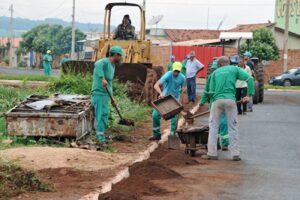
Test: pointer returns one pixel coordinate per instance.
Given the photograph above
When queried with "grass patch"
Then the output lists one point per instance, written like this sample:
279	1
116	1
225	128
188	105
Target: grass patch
14	181
27	77
282	87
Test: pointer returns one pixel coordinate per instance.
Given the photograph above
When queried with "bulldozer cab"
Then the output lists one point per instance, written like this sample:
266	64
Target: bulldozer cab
137	51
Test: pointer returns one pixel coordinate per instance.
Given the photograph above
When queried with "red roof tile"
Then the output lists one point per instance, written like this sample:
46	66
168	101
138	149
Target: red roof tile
178	35
250	27
4	41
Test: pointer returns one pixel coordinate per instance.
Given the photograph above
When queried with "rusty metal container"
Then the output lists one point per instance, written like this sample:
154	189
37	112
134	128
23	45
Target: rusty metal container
68	116
167	106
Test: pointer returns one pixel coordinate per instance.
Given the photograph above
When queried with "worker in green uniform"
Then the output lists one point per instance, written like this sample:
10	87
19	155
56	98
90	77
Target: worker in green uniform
47	62
66	58
183	71
102	78
223	129
170	65
173	82
222	94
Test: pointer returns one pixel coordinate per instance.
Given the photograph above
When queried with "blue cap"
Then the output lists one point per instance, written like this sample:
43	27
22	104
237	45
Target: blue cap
172	57
248	54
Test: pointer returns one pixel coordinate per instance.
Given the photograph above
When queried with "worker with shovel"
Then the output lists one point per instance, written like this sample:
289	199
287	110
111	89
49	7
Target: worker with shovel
222	93
102	81
173	82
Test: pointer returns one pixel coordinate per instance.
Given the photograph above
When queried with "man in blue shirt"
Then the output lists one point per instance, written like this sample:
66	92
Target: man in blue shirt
172	83
193	66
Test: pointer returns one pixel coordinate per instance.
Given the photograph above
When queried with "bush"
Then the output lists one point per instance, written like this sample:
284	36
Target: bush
6	60
22	64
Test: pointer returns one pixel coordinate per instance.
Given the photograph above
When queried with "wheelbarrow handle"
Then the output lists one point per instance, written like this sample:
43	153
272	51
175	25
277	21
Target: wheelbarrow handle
199	115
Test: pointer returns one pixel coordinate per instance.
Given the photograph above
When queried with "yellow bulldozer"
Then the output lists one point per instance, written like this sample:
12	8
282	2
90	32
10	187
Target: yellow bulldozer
136	67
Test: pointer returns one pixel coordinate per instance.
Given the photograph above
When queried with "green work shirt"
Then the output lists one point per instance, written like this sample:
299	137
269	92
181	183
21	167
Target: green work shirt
183	71
103	68
170	66
221	84
47	60
64	60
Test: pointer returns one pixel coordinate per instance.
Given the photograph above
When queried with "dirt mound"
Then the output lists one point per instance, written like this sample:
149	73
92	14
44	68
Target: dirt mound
133	188
173	157
119	196
153	170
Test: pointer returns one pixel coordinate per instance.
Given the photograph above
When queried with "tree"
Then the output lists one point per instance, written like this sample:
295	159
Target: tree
263	45
50	37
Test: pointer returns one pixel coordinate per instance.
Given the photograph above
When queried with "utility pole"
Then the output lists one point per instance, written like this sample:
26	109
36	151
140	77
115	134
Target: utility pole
73	56
11	37
144	4
286	35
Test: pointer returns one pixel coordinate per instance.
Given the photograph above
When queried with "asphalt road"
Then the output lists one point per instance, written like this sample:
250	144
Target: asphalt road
270	146
18	71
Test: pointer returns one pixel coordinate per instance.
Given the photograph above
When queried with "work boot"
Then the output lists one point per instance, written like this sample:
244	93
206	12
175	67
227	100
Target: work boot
101	138
155	138
236	158
208	157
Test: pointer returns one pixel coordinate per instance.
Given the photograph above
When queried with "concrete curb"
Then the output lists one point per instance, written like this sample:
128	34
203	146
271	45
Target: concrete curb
282	90
20	83
124	173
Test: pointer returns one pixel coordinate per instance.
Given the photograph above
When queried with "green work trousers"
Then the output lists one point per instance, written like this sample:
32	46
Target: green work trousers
47	70
101	104
156	129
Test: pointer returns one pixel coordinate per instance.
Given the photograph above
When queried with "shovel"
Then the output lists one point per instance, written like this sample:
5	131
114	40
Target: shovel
173	139
122	121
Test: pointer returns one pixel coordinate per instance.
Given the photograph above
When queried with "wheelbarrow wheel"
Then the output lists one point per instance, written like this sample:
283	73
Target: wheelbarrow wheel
193	153
186	151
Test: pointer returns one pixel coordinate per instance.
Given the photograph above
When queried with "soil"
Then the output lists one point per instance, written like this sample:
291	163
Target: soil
73	173
139	138
39	158
69	184
170	174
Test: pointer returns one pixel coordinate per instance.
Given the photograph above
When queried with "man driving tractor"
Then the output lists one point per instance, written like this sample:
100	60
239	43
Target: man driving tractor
125	31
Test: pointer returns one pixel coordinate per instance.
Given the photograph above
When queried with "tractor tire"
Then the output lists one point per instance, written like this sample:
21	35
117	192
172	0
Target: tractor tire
159	71
256	94
259	71
149	92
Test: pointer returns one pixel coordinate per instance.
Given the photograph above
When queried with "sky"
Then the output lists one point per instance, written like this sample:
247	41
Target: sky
192	14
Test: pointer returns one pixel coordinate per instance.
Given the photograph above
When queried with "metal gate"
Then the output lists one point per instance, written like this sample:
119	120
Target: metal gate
204	54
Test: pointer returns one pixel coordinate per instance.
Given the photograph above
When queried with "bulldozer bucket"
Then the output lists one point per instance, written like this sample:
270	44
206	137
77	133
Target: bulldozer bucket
132	72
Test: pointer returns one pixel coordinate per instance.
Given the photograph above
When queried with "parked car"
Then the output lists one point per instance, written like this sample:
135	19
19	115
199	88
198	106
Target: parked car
288	78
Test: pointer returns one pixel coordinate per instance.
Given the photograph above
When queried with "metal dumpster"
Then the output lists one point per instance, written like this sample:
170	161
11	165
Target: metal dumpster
55	116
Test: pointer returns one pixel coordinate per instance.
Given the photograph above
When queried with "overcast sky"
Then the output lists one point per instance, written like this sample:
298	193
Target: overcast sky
177	13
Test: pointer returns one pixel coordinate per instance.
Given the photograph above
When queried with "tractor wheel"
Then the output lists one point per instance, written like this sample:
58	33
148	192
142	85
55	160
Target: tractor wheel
149	93
256	94
259	71
159	71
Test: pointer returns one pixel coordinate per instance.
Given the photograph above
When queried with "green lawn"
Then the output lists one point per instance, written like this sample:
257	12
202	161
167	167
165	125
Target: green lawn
27	77
282	87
